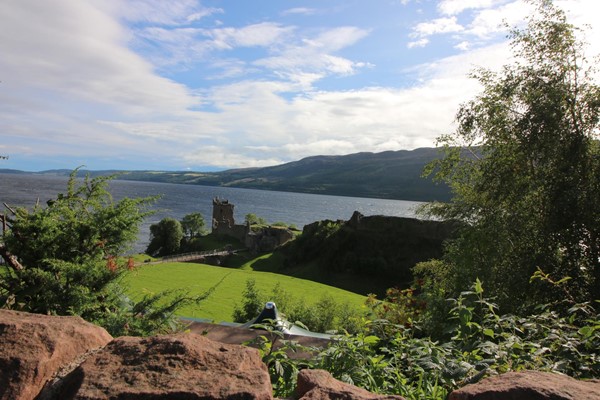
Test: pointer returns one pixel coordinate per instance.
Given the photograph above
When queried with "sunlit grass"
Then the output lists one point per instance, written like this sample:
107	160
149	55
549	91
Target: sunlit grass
198	278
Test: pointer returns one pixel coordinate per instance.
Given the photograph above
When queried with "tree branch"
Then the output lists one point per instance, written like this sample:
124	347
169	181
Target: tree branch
10	209
10	259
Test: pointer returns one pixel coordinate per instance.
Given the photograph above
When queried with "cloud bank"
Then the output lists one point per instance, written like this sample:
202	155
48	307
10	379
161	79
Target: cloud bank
100	82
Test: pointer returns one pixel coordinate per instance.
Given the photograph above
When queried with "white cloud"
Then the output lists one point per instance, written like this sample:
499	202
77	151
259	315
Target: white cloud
80	55
464	46
291	55
172	12
454	7
437	26
228	68
488	19
72	84
198	15
418	43
338	38
263	34
311	60
79	84
300	10
224	157
254	125
185	45
493	21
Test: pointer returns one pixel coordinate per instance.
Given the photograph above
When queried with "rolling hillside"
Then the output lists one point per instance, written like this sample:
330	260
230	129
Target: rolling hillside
387	175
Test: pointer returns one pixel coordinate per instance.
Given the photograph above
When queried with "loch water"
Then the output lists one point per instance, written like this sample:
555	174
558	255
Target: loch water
177	200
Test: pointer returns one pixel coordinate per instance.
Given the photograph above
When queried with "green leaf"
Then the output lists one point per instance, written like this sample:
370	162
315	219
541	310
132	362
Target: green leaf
587	330
478	286
488	332
371	339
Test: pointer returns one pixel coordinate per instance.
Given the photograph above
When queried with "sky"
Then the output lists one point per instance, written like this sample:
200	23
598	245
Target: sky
206	85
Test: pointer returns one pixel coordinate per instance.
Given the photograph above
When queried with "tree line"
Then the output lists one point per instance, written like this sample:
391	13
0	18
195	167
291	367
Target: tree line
170	236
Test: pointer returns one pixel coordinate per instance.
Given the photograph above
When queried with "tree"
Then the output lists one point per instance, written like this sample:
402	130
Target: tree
193	225
524	167
63	259
165	237
253	219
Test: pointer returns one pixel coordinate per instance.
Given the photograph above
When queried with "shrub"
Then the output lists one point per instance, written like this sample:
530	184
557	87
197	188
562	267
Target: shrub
394	359
323	316
64	259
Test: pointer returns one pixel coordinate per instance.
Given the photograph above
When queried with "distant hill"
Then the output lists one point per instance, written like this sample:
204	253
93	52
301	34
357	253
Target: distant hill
387	175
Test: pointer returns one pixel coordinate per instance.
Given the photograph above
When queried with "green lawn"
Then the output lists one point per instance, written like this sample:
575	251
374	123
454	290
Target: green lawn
197	278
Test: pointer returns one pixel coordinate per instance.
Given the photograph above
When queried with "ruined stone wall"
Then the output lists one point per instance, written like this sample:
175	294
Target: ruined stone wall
267	239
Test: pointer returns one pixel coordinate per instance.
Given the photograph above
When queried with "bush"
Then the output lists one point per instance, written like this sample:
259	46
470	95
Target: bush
64	259
323	316
394	359
252	303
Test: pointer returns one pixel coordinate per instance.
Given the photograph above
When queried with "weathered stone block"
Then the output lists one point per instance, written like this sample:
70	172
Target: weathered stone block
34	347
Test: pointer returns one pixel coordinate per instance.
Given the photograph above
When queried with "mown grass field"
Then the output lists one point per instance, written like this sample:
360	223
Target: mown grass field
198	278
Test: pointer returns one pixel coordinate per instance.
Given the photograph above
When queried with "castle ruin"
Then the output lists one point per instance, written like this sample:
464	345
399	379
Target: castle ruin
222	214
263	239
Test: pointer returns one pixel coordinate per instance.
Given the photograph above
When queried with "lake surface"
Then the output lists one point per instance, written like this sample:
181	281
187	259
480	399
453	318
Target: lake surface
178	200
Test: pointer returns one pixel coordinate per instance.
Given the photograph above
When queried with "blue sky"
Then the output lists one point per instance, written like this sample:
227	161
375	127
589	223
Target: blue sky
207	85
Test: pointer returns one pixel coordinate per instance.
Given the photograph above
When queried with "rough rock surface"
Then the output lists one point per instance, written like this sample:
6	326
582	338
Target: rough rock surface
51	358
182	366
320	385
34	347
530	385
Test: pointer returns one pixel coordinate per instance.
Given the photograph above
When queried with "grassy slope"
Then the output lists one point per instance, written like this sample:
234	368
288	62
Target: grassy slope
272	262
197	278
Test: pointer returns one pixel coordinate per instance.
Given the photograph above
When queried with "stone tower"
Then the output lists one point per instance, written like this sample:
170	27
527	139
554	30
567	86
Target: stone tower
222	218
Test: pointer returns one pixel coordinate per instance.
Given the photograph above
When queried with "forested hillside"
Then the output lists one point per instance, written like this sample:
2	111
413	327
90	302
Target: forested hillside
386	175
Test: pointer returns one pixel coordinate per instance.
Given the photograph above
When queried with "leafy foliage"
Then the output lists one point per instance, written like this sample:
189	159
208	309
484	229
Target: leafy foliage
170	236
524	167
63	259
252	305
193	225
400	306
368	256
253	219
165	237
395	359
82	224
275	352
325	315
